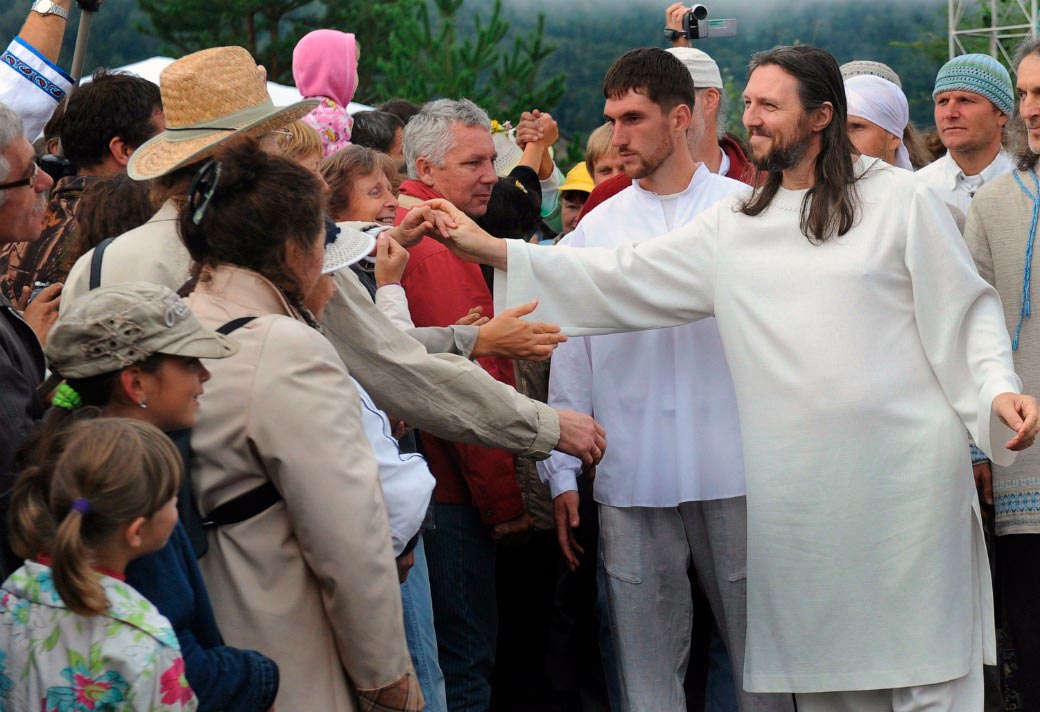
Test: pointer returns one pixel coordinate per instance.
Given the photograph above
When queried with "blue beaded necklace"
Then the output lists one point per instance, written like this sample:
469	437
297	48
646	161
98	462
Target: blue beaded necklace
1027	273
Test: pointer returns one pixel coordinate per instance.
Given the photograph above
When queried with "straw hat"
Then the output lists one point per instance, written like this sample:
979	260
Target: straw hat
210	97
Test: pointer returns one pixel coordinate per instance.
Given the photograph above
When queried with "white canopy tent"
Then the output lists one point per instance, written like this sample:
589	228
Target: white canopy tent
281	94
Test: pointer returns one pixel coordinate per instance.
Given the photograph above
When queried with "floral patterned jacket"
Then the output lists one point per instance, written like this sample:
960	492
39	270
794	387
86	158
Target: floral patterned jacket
53	660
333	124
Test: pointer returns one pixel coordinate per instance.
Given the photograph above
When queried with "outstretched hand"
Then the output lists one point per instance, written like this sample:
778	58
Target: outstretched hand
467	239
509	336
424	219
1018	412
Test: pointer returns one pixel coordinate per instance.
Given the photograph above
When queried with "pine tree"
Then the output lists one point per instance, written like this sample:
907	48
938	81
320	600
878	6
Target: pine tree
431	58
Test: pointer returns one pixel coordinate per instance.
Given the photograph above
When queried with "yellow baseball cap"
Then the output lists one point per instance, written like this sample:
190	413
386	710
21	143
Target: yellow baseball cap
578	178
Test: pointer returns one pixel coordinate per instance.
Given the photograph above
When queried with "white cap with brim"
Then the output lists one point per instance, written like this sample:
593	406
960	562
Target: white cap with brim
350	246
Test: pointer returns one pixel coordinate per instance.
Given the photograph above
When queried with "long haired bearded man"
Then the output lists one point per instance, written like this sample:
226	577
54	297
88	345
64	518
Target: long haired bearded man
864	348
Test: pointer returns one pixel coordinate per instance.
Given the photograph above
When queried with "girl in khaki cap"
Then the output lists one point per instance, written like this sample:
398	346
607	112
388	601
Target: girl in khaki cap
133	351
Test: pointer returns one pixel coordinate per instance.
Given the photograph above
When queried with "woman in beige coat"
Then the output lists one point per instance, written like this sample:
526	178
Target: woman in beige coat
302	568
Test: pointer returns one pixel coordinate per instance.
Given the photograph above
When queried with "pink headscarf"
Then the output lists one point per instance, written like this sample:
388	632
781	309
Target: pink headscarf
324	63
325	66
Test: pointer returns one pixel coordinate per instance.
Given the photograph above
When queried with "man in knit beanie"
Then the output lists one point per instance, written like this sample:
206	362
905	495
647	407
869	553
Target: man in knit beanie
1001	232
974	98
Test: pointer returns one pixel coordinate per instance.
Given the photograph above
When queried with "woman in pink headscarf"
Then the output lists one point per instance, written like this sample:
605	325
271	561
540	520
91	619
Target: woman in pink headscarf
325	67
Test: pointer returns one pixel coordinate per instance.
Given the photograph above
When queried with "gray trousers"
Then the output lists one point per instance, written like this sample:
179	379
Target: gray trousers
646	553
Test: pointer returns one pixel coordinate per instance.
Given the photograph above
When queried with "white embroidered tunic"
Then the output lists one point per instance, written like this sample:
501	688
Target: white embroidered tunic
858	363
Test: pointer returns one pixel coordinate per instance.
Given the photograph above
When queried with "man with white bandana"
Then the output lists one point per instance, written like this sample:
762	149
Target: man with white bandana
878	115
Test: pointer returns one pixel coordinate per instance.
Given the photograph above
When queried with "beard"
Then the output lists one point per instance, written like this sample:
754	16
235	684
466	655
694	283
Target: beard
784	155
649	164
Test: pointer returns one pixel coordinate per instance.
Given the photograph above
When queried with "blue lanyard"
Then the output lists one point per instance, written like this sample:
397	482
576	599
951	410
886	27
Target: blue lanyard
1027	273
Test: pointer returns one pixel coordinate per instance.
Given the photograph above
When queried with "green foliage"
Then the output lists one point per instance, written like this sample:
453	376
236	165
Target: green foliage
581	39
270	29
433	56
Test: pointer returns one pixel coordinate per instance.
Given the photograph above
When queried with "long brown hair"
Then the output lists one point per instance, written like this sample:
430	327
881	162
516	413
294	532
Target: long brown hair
123	469
829	206
1025	158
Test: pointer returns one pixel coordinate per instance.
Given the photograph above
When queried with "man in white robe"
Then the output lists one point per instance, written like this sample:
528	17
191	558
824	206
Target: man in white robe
671	488
862	343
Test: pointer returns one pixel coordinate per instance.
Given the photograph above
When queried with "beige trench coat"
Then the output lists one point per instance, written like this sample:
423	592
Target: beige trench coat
310	582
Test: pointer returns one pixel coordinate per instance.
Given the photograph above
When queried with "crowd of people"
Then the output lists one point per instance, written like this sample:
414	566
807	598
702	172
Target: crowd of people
309	410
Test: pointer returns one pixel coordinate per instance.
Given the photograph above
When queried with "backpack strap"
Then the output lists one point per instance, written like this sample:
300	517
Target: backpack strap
244	506
234	325
95	262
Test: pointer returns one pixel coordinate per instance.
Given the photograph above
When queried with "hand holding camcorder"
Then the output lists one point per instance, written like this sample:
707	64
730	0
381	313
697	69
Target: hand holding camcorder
697	26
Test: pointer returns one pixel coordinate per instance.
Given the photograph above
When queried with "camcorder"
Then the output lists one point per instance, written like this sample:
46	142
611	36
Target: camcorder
697	26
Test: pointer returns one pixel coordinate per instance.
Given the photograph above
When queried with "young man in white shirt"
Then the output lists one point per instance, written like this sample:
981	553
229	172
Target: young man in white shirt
973	100
862	344
671	487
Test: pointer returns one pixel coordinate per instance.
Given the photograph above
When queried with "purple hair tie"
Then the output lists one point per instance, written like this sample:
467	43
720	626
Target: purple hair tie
81	505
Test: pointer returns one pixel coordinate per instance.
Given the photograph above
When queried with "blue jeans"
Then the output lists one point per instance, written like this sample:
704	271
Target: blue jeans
419	632
461	559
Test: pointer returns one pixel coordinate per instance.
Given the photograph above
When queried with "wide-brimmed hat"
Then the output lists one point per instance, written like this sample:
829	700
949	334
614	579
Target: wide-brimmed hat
349	246
114	327
209	98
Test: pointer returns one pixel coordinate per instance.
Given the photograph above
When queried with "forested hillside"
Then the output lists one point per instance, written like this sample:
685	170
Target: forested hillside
589	35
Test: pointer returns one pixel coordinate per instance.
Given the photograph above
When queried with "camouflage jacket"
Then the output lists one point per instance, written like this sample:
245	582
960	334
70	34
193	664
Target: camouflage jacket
23	263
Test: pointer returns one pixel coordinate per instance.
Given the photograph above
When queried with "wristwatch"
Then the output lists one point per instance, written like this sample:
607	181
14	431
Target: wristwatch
49	7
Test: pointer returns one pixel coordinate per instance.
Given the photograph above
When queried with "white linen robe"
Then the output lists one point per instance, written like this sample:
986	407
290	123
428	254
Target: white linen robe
857	364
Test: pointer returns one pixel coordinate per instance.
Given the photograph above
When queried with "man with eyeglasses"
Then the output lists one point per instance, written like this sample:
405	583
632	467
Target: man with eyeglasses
22	201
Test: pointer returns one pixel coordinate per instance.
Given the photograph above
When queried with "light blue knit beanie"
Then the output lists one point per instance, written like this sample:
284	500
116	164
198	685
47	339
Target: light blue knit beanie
979	74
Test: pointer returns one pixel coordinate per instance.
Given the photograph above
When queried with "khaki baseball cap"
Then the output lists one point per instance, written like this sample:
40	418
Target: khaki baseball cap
111	328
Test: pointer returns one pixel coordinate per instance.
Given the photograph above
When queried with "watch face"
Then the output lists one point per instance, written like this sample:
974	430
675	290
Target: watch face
43	6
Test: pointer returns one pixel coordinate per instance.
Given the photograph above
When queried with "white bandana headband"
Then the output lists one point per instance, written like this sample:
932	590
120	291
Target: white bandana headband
880	102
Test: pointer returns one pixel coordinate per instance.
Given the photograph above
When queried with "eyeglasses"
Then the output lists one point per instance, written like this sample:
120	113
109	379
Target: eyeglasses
30	181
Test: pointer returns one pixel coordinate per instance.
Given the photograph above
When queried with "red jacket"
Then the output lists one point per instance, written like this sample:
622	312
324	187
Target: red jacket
441	288
740	168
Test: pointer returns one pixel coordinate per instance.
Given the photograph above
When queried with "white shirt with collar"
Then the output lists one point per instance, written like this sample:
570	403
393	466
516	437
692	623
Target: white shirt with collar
664	396
957	189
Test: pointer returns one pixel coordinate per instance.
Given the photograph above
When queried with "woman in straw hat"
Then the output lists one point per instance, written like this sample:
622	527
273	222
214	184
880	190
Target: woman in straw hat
133	351
311	580
210	98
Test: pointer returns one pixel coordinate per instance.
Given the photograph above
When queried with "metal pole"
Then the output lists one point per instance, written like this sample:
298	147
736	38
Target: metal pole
994	22
80	55
951	24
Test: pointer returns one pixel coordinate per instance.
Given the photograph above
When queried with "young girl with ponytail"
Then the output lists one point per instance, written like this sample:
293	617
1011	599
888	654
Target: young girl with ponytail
73	634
